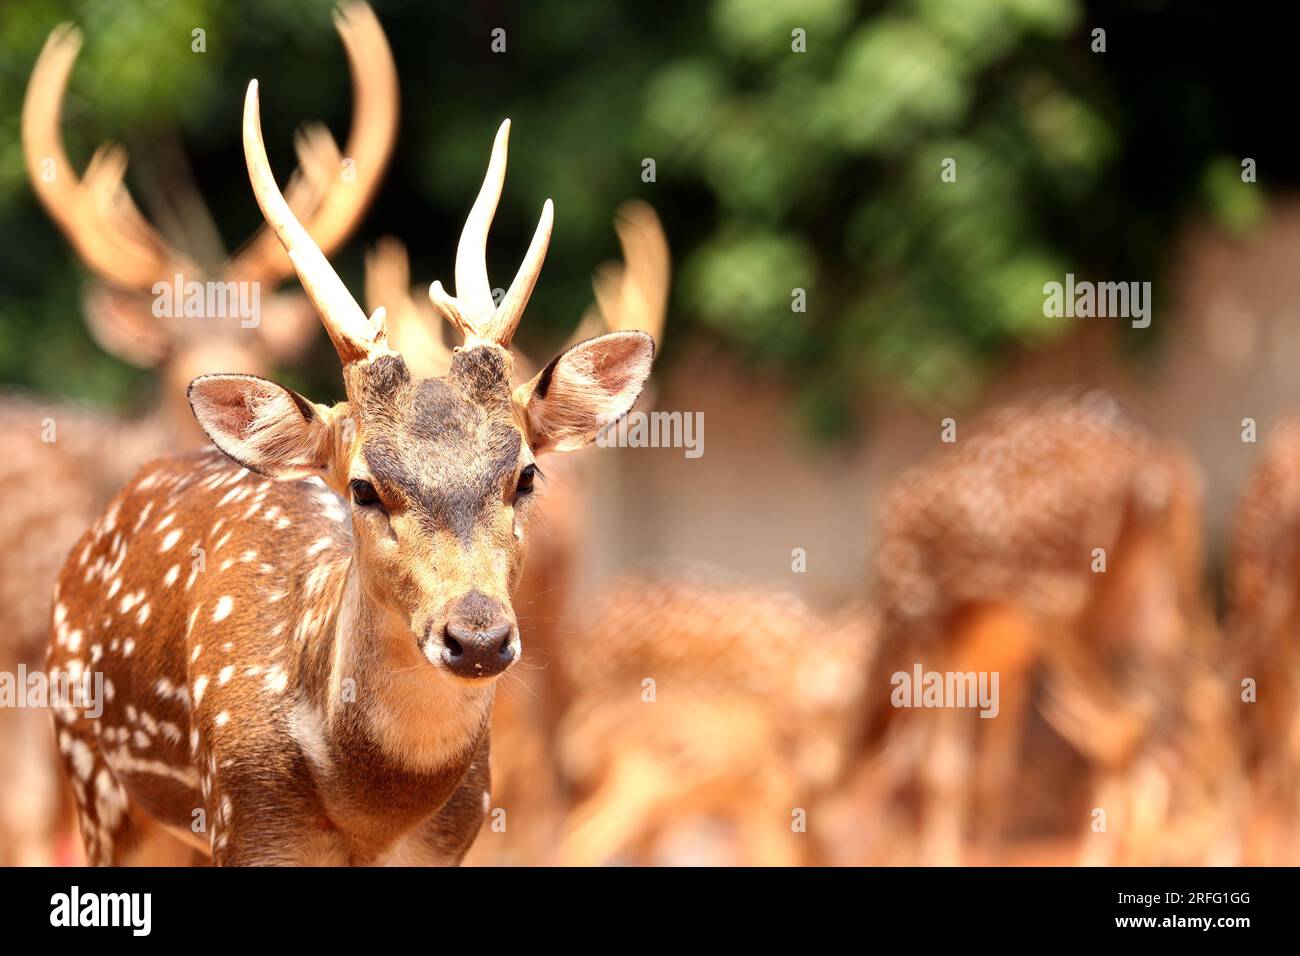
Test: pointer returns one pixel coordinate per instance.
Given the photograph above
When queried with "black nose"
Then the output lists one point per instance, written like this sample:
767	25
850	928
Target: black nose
478	640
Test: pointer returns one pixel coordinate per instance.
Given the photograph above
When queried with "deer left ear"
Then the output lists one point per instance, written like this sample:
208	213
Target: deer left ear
584	390
265	427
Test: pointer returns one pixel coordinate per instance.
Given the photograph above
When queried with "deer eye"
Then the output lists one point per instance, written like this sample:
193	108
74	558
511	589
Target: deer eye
526	477
363	492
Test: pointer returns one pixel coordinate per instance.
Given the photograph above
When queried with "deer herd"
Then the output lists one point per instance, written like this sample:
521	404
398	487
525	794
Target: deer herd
301	612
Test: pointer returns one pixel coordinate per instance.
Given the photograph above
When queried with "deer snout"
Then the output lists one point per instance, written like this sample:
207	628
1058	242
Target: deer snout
481	638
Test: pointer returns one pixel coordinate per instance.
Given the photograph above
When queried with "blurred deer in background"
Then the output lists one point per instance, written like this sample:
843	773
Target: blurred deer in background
1264	624
707	713
990	562
66	462
322	689
629	296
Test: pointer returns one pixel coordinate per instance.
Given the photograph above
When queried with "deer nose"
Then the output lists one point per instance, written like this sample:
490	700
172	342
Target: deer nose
479	639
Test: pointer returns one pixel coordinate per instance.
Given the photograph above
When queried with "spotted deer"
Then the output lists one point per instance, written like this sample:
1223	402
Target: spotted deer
1263	621
319	689
1057	547
68	461
707	713
630	295
131	258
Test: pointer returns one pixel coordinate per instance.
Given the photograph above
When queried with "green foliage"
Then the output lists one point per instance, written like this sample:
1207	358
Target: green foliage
1235	205
776	169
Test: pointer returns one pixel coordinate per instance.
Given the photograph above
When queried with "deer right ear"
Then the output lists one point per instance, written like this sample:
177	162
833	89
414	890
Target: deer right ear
584	390
263	426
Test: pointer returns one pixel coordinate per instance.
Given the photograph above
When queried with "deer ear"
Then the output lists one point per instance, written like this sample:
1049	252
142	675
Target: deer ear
584	390
263	426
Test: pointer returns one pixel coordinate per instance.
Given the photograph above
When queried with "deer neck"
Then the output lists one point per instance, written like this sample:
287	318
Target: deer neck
382	695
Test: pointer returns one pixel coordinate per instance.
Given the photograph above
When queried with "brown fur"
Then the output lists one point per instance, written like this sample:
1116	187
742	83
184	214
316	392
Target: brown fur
755	698
985	565
94	454
290	685
251	774
400	619
1263	618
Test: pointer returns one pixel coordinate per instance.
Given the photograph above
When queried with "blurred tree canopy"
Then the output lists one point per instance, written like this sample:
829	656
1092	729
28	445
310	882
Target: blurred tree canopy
776	170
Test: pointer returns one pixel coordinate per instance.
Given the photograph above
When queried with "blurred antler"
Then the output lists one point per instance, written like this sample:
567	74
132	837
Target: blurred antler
631	295
413	329
329	208
95	213
108	231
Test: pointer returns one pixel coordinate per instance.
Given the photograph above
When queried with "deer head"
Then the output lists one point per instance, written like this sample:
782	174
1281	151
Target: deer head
132	308
439	471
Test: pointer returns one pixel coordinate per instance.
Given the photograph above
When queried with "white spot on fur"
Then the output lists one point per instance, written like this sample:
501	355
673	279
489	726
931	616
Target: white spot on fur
124	763
305	726
82	758
276	679
225	605
110	800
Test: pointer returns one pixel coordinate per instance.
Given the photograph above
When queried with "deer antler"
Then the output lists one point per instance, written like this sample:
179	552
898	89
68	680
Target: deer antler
631	295
330	209
472	310
95	213
355	337
413	329
117	242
